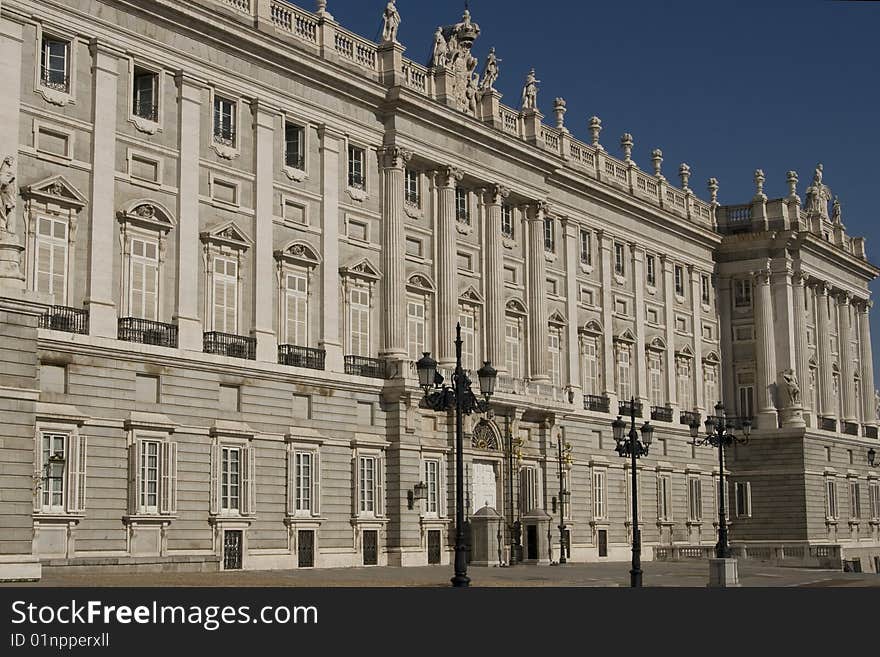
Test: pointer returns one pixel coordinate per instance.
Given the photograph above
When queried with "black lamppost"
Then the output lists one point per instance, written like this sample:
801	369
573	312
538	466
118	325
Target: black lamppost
719	434
460	397
513	447
563	459
629	445
872	458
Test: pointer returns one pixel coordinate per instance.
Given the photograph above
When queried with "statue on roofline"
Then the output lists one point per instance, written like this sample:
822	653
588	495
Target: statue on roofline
391	22
490	71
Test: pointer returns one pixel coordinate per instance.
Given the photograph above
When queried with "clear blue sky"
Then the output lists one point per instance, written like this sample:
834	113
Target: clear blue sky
727	87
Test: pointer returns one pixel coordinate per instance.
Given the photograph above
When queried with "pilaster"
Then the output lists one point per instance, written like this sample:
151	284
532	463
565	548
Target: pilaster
12	279
572	265
765	351
494	197
537	292
801	349
828	408
869	413
697	309
394	345
331	146
728	376
669	325
606	246
447	275
640	357
844	333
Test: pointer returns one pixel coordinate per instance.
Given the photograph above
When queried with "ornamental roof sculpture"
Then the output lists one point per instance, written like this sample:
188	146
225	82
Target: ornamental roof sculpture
818	195
452	52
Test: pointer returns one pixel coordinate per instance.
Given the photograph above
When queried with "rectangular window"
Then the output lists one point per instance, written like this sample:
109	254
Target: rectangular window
464	261
358	230
297	309
224	121
54	458
145	94
359	321
710	385
586	247
528	477
144	279
413	247
549	235
651	270
50	256
743	495
230	479
831	499
513	349
303	462
695	499
368	484
55	64
149	490
679	280
600	495
705	290
655	379
652	317
413	192
855	500
153	472
746	400
462	214
552	287
554	346
591	366
467	319
619	265
415	328
742	293
664	497
874	493
432	481
225	295
685	384
357	167
143	168
294	146
507	221
624	388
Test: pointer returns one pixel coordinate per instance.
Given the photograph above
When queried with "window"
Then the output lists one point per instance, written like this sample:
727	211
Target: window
154	477
695	499
369	484
830	499
743	499
651	270
624	387
620	307
306	493
230	398
710	385
358	230
513	349
54	458
415	328
147	389
55	64
664	497
874	494
230	483
652	317
60	469
746	394
432	481
359	321
619	267
528	478
549	235
357	167
149	472
655	378
413	193
705	290
224	121
144	279
855	500
685	386
467	319
600	495
50	257
586	247
294	146
145	94
414	247
744	333
679	280
462	215
554	346
464	261
225	295
296	300
552	287
144	168
507	221
591	366
742	293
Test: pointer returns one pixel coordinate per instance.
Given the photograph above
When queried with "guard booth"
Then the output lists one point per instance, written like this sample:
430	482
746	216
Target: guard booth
536	548
485	530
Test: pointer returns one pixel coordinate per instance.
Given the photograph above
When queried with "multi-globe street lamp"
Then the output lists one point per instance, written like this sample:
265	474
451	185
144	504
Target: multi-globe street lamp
629	446
872	458
458	396
563	460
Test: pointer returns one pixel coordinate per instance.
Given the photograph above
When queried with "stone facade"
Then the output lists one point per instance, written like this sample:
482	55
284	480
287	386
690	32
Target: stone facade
233	227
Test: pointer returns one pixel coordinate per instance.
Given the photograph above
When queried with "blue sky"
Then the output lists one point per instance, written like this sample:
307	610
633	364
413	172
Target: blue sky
727	87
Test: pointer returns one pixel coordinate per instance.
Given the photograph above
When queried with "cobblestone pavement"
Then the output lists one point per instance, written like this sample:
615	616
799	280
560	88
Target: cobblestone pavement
689	574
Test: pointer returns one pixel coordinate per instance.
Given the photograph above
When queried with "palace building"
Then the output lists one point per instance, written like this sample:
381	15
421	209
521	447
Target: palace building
230	227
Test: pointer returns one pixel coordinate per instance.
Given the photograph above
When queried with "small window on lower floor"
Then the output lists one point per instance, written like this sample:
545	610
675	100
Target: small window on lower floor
743	492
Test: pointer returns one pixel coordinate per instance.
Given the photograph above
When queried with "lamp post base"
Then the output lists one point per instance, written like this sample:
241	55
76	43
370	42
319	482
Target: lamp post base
635	579
723	573
460	581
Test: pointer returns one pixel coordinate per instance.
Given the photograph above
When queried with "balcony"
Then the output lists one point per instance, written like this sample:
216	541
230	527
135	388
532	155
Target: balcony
225	136
598	403
145	331
827	424
851	428
372	368
146	109
626	408
54	79
294	356
869	432
689	418
63	318
234	346
661	413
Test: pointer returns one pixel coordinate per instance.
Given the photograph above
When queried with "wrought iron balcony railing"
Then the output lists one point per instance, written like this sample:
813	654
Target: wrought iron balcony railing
227	344
851	428
145	331
52	79
372	368
225	137
295	160
357	181
661	413
869	432
828	424
307	357
64	318
688	418
146	109
598	403
625	408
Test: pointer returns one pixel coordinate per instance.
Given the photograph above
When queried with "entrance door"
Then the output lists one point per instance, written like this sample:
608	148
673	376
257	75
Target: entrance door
232	543
433	546
532	542
603	542
371	547
485	487
305	542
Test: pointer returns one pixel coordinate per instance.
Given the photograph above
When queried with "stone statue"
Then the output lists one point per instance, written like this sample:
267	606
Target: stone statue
392	22
471	94
877	404
439	58
818	195
835	211
7	196
530	92
792	386
490	72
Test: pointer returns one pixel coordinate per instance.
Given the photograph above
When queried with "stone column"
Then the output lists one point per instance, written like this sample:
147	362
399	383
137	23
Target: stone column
606	246
869	412
447	276
264	276
100	299
186	316
828	408
394	345
786	340
12	269
801	349
697	309
331	302
844	338
640	358
669	306
537	292
572	265
727	373
765	347
494	196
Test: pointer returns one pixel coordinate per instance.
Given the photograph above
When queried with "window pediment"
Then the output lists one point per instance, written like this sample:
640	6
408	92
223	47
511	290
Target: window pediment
657	344
712	358
557	319
228	235
421	283
299	253
627	336
362	269
148	214
516	307
685	352
471	296
57	191
592	327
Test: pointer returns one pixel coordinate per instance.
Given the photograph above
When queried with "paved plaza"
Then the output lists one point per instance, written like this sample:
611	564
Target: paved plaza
687	574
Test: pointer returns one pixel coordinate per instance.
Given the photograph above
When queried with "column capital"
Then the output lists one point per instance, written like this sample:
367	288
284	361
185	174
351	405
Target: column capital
449	176
394	157
799	278
538	210
762	276
865	305
844	298
497	193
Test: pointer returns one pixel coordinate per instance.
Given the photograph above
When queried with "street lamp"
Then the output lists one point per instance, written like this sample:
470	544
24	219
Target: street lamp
719	433
629	445
872	458
563	458
460	397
